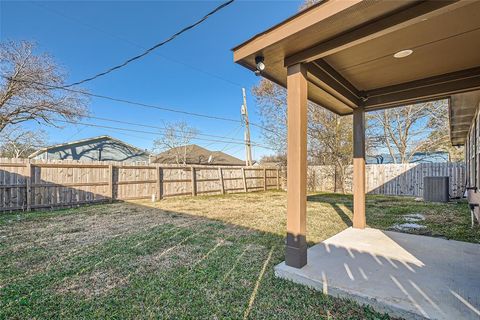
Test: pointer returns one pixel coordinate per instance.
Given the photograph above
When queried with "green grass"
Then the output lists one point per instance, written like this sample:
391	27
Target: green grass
183	258
446	220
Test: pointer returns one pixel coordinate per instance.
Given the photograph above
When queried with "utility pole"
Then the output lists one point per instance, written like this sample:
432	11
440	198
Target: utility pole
248	145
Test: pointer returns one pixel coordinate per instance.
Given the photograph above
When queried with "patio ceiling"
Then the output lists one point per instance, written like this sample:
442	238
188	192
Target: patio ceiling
348	48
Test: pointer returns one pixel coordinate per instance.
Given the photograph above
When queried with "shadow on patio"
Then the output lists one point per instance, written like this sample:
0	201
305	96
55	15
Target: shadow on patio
405	275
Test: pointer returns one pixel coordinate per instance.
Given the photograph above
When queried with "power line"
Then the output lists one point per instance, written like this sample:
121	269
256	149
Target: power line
227	136
235	133
157	127
161	129
134	44
141	104
151	132
156	46
127	101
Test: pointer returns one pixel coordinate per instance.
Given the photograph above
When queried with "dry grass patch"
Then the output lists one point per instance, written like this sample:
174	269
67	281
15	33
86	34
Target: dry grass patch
95	284
61	236
101	281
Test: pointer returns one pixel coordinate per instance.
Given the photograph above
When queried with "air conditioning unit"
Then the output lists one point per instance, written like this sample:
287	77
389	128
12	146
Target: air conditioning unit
436	189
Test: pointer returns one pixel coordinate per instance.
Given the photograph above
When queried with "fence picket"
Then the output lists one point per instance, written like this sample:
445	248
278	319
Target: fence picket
395	179
43	184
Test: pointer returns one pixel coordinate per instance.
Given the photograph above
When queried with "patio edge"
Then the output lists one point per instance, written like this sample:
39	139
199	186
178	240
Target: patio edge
285	272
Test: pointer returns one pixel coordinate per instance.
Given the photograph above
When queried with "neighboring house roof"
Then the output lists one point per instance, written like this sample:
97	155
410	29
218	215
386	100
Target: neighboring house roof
83	142
419	157
197	155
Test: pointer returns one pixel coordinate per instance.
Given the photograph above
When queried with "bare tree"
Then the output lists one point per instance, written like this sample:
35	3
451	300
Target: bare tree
405	131
331	141
271	102
19	143
176	137
329	135
26	87
439	137
308	3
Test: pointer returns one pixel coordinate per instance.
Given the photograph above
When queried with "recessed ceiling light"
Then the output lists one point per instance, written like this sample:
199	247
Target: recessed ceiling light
403	53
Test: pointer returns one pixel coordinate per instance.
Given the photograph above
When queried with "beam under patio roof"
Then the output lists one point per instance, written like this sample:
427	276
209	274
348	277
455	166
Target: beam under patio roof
428	89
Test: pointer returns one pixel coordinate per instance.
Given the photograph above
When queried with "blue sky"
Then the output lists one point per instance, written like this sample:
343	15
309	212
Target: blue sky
194	73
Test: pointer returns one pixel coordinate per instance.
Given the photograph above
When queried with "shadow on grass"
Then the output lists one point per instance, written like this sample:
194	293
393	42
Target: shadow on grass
341	213
127	260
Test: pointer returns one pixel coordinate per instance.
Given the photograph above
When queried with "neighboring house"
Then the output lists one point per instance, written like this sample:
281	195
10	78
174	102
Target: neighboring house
103	148
418	157
193	154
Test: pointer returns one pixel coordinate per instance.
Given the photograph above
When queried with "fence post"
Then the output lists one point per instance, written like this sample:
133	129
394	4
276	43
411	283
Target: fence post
264	179
159	183
110	182
278	179
220	177
194	182
29	185
245	189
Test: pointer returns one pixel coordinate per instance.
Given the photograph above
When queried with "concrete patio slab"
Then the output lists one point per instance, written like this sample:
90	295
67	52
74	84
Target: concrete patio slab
410	276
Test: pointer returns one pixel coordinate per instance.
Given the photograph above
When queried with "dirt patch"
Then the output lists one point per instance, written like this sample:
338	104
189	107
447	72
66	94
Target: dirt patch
98	283
179	255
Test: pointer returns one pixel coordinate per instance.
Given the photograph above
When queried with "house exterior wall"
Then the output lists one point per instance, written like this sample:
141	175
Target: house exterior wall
472	158
98	150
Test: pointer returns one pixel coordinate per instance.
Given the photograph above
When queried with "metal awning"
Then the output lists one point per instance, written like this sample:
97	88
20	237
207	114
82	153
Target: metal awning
348	48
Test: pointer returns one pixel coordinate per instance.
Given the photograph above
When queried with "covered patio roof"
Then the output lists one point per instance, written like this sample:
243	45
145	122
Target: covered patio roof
351	57
348	50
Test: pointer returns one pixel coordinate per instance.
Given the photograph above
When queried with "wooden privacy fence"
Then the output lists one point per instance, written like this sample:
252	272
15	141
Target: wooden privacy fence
26	185
392	179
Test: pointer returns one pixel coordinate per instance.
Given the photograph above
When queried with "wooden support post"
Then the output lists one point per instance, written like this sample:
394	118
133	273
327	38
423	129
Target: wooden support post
359	219
296	247
111	185
29	180
220	177
264	179
245	189
194	182
159	183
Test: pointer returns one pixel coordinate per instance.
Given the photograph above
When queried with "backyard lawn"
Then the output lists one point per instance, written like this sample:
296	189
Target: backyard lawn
204	257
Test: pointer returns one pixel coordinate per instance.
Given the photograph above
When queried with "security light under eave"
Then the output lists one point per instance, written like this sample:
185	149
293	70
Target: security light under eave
259	64
403	54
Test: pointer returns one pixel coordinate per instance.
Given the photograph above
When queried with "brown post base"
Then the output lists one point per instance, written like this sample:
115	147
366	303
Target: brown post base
296	251
295	257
